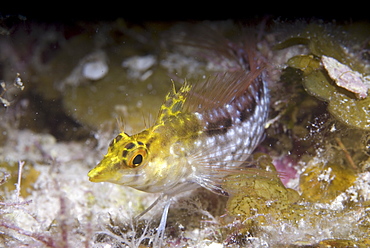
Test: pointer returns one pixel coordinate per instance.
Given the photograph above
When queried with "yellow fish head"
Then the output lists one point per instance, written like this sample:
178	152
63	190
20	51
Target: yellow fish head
123	162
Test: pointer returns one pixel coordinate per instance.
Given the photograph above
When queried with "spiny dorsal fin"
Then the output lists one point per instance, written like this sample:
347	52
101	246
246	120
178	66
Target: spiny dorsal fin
219	90
174	102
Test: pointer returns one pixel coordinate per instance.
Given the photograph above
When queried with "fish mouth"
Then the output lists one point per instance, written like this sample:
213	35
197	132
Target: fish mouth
103	174
95	176
100	174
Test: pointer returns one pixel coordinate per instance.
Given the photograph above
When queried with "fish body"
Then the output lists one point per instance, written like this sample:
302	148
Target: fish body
190	144
202	133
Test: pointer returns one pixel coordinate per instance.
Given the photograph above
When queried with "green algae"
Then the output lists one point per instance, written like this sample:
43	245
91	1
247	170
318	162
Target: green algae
324	182
343	243
255	196
115	97
353	112
306	63
332	41
260	204
342	103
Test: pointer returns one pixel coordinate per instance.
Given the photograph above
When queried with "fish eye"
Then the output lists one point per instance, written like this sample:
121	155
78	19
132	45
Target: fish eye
137	157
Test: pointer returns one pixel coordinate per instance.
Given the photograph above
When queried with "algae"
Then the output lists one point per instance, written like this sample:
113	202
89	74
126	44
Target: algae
332	74
259	195
324	182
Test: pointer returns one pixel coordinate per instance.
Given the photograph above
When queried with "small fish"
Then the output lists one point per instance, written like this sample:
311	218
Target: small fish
203	133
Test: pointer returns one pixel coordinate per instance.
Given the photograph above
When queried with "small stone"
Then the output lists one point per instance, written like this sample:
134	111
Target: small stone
95	70
139	63
345	77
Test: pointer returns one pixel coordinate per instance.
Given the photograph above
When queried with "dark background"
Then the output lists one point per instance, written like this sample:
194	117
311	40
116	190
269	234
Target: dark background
138	11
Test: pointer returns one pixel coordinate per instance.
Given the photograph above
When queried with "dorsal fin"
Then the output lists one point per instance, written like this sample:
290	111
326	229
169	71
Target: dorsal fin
174	102
236	57
219	90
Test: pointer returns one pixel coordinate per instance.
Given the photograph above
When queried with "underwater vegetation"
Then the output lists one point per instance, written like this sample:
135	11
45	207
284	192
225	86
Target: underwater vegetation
68	93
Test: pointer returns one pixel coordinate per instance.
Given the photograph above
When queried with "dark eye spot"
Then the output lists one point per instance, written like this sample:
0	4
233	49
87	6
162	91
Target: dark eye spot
129	146
124	153
115	140
118	138
138	159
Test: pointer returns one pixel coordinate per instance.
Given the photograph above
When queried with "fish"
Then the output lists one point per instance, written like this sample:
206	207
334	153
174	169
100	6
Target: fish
203	132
